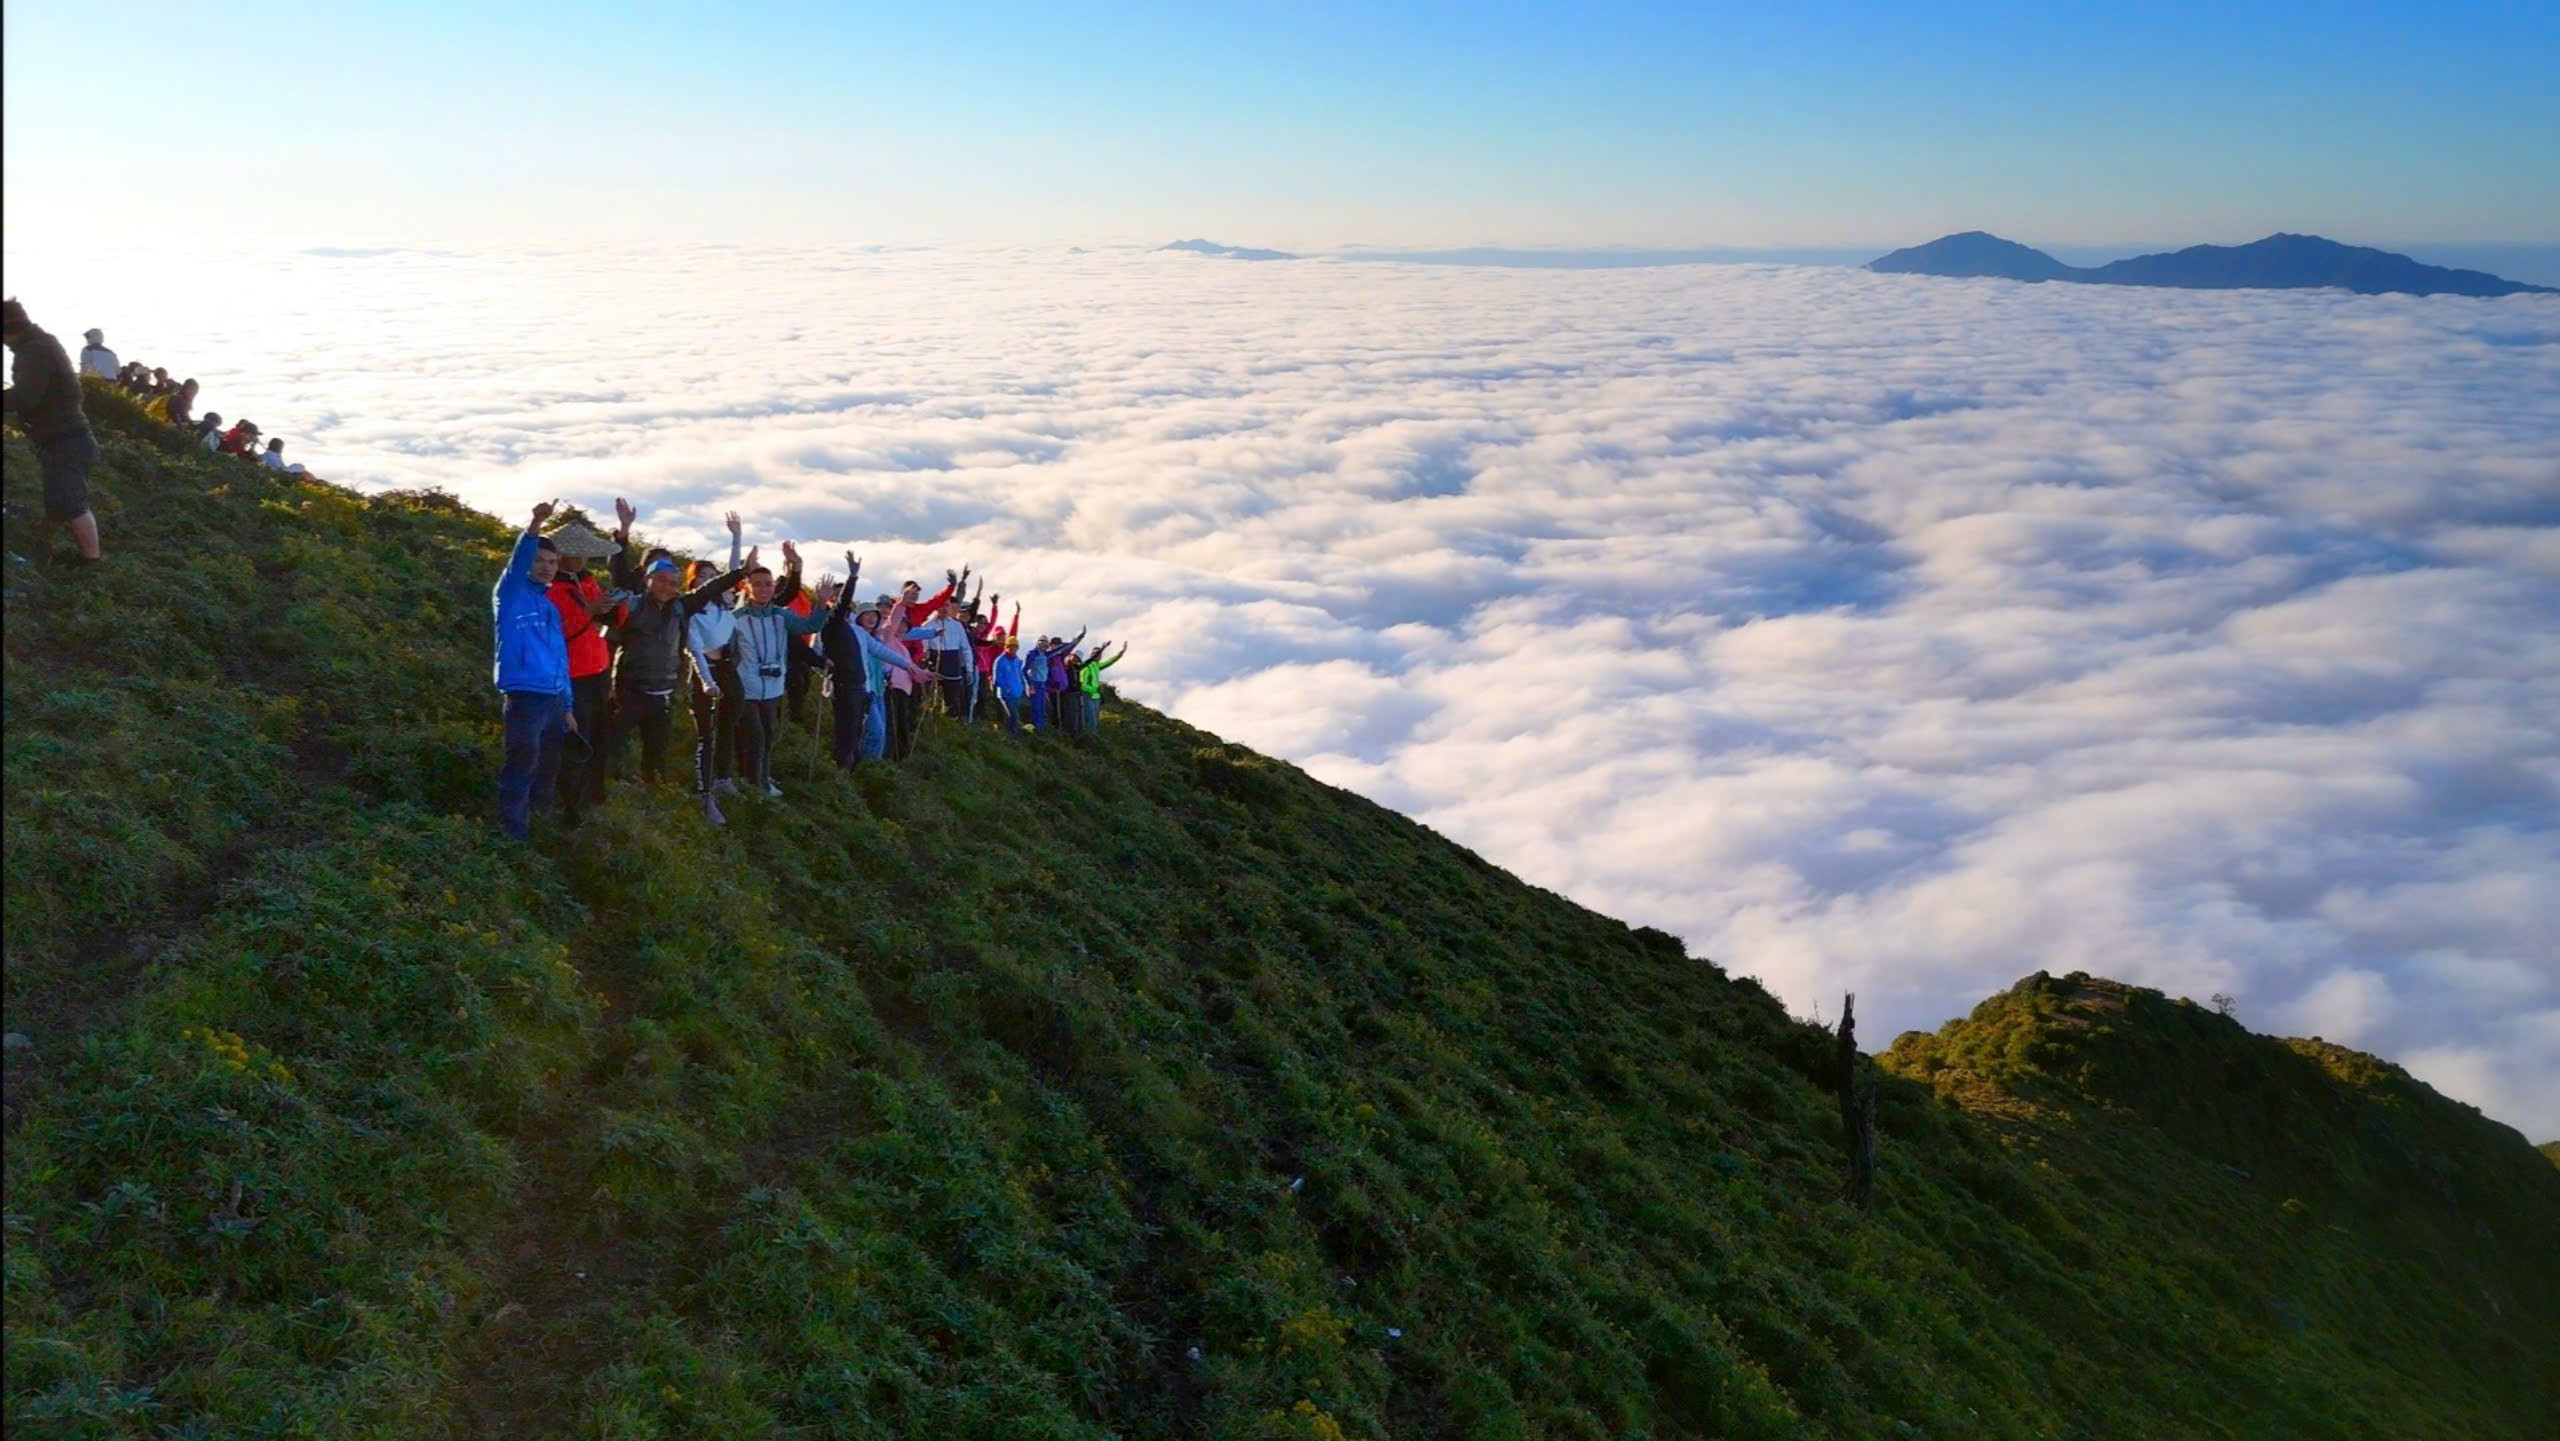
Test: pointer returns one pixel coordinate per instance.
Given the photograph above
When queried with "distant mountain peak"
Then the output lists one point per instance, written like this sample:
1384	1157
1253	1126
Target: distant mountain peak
1196	246
2282	261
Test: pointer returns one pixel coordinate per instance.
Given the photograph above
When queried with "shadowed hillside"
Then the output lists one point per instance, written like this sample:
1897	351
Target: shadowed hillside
1154	1090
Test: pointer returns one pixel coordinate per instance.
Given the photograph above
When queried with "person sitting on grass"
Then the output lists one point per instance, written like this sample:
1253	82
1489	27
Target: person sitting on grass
44	393
532	675
239	439
274	460
182	407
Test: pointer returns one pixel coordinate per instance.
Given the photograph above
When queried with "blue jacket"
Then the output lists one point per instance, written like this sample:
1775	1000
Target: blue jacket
533	654
1008	676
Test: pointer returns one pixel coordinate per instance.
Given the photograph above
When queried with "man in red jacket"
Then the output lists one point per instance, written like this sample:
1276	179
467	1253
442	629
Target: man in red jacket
586	607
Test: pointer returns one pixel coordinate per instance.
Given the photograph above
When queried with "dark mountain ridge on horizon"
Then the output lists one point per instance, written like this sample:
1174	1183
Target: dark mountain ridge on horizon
2279	262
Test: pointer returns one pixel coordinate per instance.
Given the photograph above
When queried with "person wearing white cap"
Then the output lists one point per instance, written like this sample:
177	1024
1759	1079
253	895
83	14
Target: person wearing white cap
96	359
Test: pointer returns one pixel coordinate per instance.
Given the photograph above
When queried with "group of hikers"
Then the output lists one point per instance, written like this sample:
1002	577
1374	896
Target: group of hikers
44	395
175	402
584	663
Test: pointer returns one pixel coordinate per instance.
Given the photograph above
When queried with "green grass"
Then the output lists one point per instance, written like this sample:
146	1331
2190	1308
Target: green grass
1152	1090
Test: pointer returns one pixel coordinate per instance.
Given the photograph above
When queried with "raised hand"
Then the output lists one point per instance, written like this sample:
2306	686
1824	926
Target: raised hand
790	555
852	568
542	511
733	522
625	512
752	552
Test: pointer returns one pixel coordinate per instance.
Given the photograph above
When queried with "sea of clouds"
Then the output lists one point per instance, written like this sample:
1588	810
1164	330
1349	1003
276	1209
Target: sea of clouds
1872	633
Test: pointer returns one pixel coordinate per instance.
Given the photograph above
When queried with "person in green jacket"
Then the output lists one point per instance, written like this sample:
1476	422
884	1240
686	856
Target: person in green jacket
1089	681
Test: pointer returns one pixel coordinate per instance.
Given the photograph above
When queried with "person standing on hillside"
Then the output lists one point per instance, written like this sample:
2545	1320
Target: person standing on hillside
1035	683
766	633
532	676
1064	704
1006	683
1090	678
656	637
803	660
946	636
96	361
585	607
858	662
44	393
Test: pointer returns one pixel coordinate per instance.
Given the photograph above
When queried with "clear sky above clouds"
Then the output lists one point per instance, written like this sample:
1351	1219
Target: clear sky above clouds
1290	124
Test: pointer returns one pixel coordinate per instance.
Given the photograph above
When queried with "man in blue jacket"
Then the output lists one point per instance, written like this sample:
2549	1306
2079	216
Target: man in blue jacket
533	676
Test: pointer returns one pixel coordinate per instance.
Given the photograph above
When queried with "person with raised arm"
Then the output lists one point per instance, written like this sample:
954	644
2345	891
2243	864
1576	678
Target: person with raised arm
858	661
1090	679
585	607
532	674
946	637
656	634
1064	706
765	633
711	643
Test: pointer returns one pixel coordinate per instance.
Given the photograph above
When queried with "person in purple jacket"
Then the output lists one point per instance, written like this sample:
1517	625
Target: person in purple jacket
1061	677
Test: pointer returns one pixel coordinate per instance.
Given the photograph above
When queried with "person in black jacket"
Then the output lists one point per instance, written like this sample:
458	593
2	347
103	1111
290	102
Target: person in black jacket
652	665
843	644
44	392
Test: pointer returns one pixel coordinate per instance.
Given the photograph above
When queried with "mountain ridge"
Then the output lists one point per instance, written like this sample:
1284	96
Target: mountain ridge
2279	261
1155	1090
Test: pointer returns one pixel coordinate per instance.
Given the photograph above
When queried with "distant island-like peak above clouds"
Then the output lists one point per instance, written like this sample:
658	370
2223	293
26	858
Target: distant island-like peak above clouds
1226	252
2279	262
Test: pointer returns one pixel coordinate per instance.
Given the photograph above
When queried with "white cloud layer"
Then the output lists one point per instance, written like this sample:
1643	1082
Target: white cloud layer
1874	633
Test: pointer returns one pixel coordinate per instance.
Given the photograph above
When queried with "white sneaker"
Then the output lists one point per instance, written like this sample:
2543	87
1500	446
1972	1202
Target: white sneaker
711	812
724	784
772	791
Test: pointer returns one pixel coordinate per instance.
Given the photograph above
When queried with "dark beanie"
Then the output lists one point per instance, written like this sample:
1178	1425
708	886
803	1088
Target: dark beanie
543	542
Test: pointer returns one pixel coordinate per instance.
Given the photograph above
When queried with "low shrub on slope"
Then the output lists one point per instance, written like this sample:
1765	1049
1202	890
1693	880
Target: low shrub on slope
1152	1090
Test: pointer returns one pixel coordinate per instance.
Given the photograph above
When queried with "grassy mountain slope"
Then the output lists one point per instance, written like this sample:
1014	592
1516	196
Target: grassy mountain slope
1154	1090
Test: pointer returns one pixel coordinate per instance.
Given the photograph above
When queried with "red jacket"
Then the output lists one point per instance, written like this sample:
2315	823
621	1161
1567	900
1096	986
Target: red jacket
573	594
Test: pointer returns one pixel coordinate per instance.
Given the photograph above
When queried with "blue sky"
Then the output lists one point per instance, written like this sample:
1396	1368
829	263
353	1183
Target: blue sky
1304	125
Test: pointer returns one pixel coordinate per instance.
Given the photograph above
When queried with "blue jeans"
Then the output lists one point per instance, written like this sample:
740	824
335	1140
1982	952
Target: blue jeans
536	722
875	728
